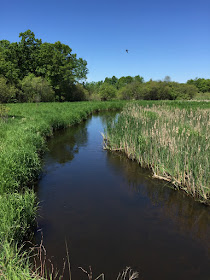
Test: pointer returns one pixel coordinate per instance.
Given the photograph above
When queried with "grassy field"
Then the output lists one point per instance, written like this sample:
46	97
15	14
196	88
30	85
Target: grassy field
24	129
171	138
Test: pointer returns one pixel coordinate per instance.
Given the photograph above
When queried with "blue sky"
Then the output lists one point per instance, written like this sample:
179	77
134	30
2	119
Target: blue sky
163	37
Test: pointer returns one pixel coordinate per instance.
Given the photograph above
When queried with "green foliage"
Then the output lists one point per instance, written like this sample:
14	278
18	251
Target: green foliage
53	62
107	92
36	89
14	263
7	92
132	91
184	91
79	93
17	215
203	85
134	88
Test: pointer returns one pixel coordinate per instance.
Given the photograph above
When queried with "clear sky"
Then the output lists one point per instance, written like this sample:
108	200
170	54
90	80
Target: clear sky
163	37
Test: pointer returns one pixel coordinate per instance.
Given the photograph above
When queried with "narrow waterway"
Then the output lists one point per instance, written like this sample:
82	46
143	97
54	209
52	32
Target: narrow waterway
113	214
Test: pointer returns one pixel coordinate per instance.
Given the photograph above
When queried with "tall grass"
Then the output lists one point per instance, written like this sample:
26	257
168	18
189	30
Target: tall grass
24	129
170	138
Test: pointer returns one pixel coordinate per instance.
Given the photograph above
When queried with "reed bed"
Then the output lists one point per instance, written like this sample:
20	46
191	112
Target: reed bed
170	138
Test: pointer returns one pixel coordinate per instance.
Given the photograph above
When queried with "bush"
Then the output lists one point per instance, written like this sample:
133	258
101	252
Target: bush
107	92
131	91
7	92
75	92
184	91
36	89
202	96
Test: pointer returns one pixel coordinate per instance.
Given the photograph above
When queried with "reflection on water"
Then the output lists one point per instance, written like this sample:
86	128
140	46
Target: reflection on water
190	216
113	214
66	143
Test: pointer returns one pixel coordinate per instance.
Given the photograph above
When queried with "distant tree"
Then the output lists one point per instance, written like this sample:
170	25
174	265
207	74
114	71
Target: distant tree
167	79
203	85
93	90
138	79
123	81
131	91
107	92
112	81
185	91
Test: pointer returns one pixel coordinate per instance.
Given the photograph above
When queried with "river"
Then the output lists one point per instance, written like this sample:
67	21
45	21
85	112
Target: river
113	214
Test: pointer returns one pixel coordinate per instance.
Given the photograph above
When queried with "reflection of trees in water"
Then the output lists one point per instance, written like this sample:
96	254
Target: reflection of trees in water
65	143
107	117
191	217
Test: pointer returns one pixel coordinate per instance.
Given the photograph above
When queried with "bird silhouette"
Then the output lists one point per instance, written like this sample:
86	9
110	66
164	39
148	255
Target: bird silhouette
126	51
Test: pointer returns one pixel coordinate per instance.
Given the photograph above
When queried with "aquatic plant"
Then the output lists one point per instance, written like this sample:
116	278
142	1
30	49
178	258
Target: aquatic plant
171	139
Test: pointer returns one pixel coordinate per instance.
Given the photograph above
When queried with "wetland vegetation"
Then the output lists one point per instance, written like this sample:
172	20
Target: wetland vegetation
172	139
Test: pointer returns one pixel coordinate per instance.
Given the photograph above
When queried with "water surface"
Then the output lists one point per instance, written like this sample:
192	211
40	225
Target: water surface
113	214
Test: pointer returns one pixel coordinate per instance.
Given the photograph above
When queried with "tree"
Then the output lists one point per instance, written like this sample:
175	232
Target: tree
107	92
167	79
123	81
203	85
54	62
28	49
111	81
138	79
9	61
131	91
61	68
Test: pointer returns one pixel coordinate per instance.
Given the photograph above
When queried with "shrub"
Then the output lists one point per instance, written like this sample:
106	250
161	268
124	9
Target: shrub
7	92
36	89
107	92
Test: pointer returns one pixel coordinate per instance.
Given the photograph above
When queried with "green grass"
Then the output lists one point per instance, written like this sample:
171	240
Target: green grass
171	138
24	129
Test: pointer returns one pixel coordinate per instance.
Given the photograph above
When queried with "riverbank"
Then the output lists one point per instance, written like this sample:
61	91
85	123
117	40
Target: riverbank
24	129
170	138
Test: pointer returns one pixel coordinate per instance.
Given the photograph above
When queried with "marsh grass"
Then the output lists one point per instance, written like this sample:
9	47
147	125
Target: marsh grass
171	139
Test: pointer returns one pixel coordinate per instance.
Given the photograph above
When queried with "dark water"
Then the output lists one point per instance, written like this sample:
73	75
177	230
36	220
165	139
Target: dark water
113	214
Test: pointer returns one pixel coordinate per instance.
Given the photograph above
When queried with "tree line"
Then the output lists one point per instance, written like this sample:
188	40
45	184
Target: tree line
33	71
135	88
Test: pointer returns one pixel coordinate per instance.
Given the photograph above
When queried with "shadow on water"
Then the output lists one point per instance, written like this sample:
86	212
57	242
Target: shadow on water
113	214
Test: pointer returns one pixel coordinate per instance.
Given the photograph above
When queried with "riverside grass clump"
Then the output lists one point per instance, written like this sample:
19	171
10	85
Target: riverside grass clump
24	129
171	138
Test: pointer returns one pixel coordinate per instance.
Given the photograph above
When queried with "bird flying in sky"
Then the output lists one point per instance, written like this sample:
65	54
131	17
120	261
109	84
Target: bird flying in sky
126	51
